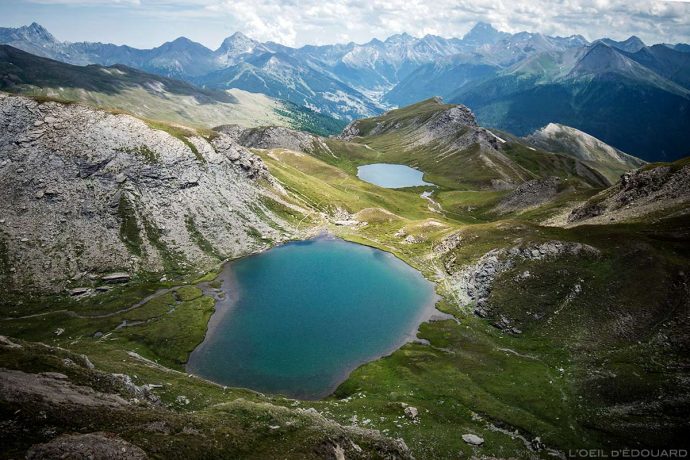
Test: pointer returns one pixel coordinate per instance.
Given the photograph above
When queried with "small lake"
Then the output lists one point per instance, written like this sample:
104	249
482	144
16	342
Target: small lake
391	175
297	319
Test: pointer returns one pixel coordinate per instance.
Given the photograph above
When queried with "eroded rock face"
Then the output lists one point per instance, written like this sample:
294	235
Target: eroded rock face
85	193
52	388
449	120
269	137
350	132
530	194
637	194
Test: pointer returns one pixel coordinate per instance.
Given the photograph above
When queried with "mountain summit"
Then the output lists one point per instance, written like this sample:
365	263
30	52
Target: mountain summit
483	34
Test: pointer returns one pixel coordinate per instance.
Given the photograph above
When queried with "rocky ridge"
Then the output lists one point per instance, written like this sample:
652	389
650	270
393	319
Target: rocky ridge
271	137
638	194
86	192
443	132
608	160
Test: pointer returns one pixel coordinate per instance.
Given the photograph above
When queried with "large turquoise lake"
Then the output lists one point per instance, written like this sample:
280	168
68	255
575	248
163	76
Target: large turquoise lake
391	175
297	319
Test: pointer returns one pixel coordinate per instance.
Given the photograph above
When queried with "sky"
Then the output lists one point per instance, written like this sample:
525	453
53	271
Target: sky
148	23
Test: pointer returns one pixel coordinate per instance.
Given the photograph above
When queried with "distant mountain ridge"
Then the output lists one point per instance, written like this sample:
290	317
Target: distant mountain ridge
497	74
608	160
150	96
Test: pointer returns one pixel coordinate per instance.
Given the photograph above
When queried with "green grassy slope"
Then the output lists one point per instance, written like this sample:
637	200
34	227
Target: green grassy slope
600	363
465	157
151	96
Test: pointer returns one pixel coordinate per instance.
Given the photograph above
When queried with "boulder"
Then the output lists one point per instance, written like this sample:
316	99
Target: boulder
118	277
79	291
473	439
411	412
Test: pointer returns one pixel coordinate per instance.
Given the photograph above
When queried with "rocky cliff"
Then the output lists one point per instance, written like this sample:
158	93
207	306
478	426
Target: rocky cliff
86	192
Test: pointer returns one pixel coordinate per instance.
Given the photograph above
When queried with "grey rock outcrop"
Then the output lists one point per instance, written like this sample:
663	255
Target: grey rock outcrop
638	194
472	284
53	388
269	137
86	446
87	192
529	195
350	132
276	137
473	439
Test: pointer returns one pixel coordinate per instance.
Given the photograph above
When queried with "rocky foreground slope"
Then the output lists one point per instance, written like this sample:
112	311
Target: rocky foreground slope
86	193
56	404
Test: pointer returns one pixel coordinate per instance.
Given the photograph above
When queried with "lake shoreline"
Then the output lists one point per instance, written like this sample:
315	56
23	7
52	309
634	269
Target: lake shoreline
392	175
229	292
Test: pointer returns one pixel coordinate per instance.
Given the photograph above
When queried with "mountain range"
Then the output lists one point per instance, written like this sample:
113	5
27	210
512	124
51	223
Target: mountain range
150	96
622	92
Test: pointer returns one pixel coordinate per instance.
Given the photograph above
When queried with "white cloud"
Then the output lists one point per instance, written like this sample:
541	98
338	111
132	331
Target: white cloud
298	22
315	21
87	2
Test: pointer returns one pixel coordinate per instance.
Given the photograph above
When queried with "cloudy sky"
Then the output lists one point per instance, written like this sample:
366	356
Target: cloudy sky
148	23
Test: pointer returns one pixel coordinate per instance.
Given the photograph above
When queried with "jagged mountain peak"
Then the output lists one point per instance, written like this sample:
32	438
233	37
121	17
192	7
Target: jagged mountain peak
634	40
236	45
577	39
183	44
482	27
400	38
632	44
483	33
34	33
602	58
239	36
39	31
238	41
182	40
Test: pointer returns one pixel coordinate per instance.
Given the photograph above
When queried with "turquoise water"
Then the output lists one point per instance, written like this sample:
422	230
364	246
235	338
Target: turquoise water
390	175
297	319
